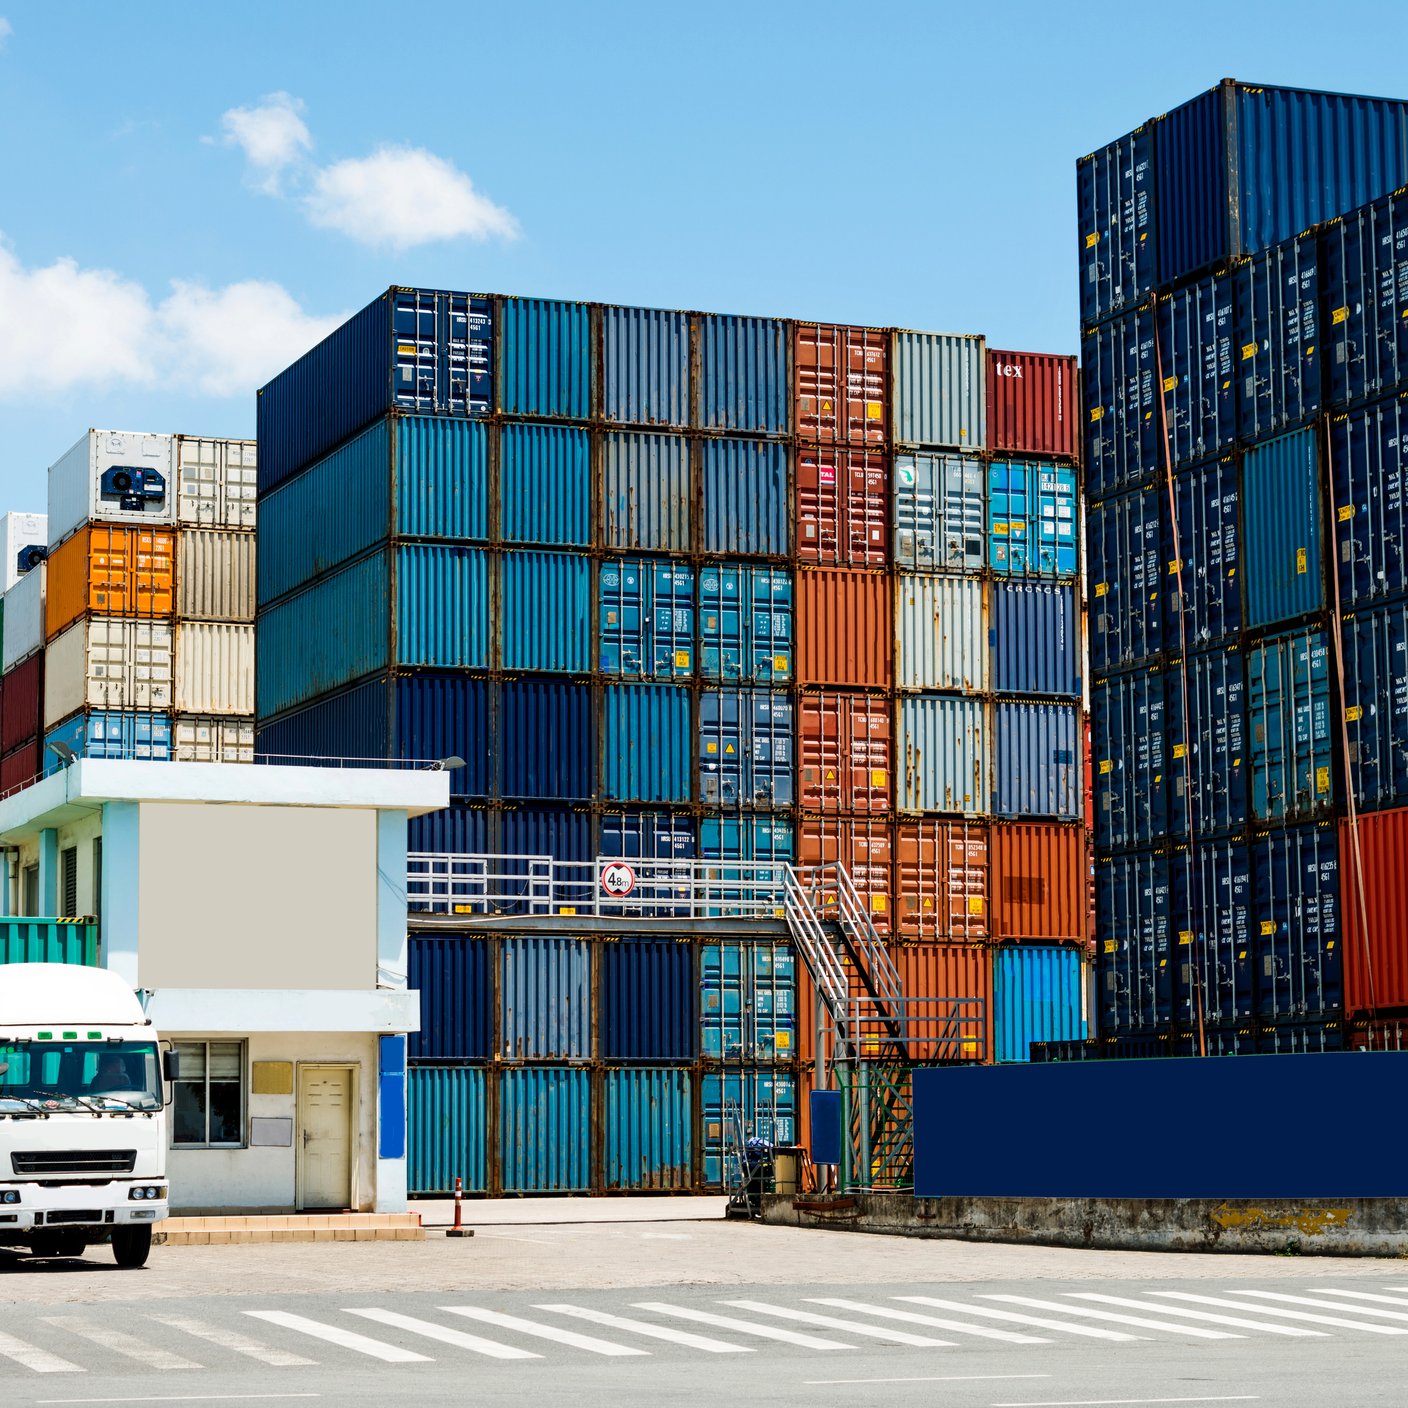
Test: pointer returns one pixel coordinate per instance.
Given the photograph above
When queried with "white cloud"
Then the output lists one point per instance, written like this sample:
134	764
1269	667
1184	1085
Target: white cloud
272	136
6	30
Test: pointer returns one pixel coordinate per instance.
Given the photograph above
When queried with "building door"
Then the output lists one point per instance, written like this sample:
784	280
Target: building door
326	1103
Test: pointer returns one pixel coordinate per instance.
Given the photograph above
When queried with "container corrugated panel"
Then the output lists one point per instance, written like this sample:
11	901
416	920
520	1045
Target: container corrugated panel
940	389
545	352
845	750
111	571
647	1123
1376	705
1296	920
744	374
1279	354
442	478
1208	551
748	1000
1134	961
747	745
841	382
1038	882
648	1000
1131	759
1115	200
941	881
646	752
943	751
546	740
842	510
1032	519
1214	768
103	662
767	1105
1038	995
940	518
545	485
645	618
1127	577
844	631
764	838
563	833
864	847
745	497
1366	291
198	738
1292	733
456	830
448	1124
442	608
1035	641
1036	760
215	575
445	716
646	835
214	668
1375	957
1032	403
546	605
645	369
354	723
646	493
545	999
1369	450
949	971
941	632
745	623
22	766
1196	327
216	482
126	734
22	693
453	975
1120	386
24	612
48	941
545	1130
1214	965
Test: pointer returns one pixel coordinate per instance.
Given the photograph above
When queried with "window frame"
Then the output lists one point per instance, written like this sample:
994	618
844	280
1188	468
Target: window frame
180	1044
68	882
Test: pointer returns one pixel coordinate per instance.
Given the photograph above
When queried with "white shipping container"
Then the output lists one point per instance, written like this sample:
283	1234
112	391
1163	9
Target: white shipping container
216	482
17	532
105	662
210	740
214	668
940	389
24	617
941	629
943	750
99	480
214	575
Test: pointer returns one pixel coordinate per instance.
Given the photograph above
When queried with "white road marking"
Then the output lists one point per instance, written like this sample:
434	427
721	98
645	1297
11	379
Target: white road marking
459	1338
657	1332
1089	1331
1305	1315
912	1317
1112	1402
1329	1304
1115	1318
335	1334
1360	1295
129	1346
544	1332
929	1379
747	1327
184	1398
832	1322
1205	1315
233	1340
32	1357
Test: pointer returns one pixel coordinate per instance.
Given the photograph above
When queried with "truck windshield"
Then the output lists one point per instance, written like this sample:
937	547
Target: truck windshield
112	1075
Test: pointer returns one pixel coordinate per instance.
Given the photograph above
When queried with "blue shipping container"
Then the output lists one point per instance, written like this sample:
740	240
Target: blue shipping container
1205	557
446	1109
745	623
645	619
457	830
442	606
545	999
1196	361
747	747
1032	519
546	603
648	1007
1281	518
546	352
1376	705
1134	963
1214	963
761	1103
453	976
761	838
1369	453
1296	918
1115	200
545	485
647	1123
561	833
1128	727
1212	770
748	1000
1278	361
1292	737
646	492
646	736
746	497
546	741
545	1129
1118	367
127	734
1038	995
646	835
744	374
1127	579
645	367
1035	640
940	518
1037	760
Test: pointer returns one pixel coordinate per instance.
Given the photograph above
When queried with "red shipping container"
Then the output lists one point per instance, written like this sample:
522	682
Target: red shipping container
845	633
807	1015
843	507
862	846
1381	1034
21	766
941	881
22	703
1039	874
1382	945
844	744
1032	403
842	384
948	971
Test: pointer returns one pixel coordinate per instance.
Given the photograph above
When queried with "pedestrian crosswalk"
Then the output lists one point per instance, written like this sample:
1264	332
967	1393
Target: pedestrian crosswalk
223	1336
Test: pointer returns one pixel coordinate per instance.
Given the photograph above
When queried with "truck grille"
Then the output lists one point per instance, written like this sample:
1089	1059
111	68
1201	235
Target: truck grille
73	1161
77	1215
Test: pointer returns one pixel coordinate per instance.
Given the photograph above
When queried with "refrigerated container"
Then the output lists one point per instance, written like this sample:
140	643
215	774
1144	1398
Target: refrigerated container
24	539
112	476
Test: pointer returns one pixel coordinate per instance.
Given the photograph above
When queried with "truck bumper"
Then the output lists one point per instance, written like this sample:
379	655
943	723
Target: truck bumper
94	1211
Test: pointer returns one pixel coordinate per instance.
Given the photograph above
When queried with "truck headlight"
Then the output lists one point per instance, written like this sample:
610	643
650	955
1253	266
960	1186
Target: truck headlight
145	1191
10	1195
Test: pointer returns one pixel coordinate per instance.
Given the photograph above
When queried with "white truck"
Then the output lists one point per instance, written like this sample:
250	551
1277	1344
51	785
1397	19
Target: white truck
82	1113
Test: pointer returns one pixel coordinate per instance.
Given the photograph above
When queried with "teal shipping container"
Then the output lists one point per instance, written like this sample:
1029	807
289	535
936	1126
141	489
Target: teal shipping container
745	623
647	1128
1032	519
545	485
545	1129
1281	521
1039	994
748	1001
746	498
546	999
738	1105
645	367
447	1117
647	752
646	492
645	619
49	941
1292	734
545	355
744	374
545	606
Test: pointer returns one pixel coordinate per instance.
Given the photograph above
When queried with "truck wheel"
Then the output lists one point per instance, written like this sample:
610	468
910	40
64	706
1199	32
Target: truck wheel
130	1246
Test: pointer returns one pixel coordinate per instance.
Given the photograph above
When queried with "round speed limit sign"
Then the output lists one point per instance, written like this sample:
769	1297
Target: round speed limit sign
618	880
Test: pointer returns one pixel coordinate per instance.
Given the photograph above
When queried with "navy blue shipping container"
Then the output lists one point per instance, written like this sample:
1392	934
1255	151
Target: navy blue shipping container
1206	557
1301	1037
648	1000
546	358
456	830
1281	523
417	350
645	619
747	748
1296	920
745	623
561	833
1196	326
1127	578
1278	326
746	497
1213	769
453	975
744	374
546	740
646	835
1037	761
1118	374
1035	640
1214	958
1134	966
1115	199
1128	728
645	367
646	752
1369	459
545	485
1292	735
1376	705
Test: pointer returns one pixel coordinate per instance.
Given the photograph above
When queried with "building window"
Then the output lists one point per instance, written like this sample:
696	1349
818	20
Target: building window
68	882
97	907
208	1111
29	884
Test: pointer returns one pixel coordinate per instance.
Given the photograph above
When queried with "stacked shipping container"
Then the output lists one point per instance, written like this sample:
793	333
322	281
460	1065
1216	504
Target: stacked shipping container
22	648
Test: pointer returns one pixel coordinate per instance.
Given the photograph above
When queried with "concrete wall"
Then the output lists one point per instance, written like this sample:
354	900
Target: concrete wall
80	834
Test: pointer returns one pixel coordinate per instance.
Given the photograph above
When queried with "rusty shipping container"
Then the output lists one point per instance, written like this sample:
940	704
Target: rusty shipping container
1039	883
1032	403
945	973
1376	932
862	845
113	572
941	881
841	385
845	745
843	516
844	629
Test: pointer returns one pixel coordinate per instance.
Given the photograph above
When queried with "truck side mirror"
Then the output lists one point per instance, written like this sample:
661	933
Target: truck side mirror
171	1065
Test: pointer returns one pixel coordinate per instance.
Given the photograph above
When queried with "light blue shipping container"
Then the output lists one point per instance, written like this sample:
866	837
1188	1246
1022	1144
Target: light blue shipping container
748	1001
943	755
646	491
545	485
447	1115
441	473
545	1129
747	502
762	1102
111	734
744	374
1032	516
646	753
939	389
546	358
645	619
745	623
442	606
1038	995
747	748
647	1125
645	367
1292	733
762	838
940	512
1037	760
546	998
546	600
1281	520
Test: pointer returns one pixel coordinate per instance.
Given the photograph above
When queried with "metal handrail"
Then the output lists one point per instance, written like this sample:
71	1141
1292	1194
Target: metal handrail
855	918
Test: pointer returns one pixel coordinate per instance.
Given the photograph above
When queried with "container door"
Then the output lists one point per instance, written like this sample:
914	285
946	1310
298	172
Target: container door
326	1099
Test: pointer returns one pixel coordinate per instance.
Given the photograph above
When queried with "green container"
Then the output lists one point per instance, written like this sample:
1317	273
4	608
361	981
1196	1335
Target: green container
49	941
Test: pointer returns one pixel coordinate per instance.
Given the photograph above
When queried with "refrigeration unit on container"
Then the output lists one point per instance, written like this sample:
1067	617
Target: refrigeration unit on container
842	509
1032	519
545	1129
1033	404
645	367
545	358
22	711
1036	643
1375	889
110	571
747	740
863	847
841	385
745	494
217	482
845	752
941	881
744	381
1127	577
1197	368
1368	451
647	1129
1375	685
1134	961
1036	760
1119	376
24	617
112	476
112	734
24	539
844	628
1115	201
1210	768
214	668
1214	964
448	1129
745	623
196	739
941	633
103	662
646	492
417	350
1131	759
940	390
1038	882
1279	352
646	747
648	1009
942	755
766	1105
1038	995
748	1000
545	484
214	575
1204	557
940	516
1293	737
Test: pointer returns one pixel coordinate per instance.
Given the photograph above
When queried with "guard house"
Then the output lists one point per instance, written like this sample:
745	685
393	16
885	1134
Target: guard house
262	911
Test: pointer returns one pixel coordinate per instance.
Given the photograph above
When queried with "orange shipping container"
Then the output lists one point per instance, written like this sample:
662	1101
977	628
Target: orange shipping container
941	881
949	971
111	571
843	507
862	845
807	1013
1038	888
842	384
844	751
1382	945
844	630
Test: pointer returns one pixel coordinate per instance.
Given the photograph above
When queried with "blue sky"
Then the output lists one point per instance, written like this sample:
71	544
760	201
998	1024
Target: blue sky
191	193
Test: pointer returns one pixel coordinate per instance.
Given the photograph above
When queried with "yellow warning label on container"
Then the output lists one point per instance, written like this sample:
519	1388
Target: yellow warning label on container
1249	351
831	775
826	406
1170	382
999	530
779	664
927	904
877	903
681	659
1173	567
879	777
711	747
1338	316
782	1040
975	904
1268	927
1322	779
1346	513
1180	750
1097	412
1185	936
1300	560
1354	713
1106	765
728	748
1101	588
1092	240
874	411
1109	945
970	1045
405	349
